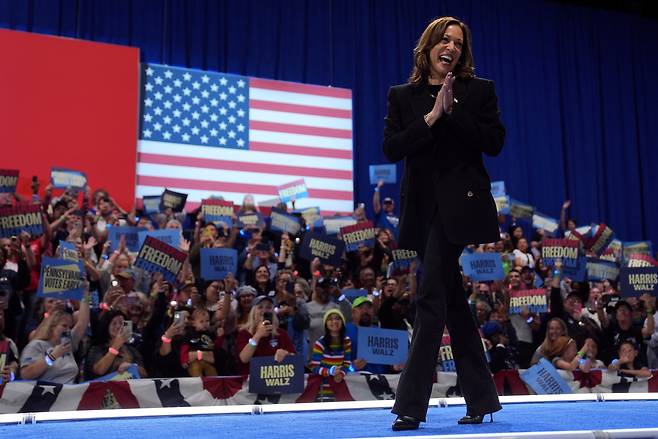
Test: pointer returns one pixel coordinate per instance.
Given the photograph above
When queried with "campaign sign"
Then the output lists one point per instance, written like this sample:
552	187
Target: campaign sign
293	191
521	210
497	189
216	263
328	249
157	257
14	220
8	180
67	178
602	236
483	266
218	212
114	235
633	282
282	222
544	379
151	204
535	300
640	260
402	260
312	216
382	346
503	204
446	358
269	377
250	220
358	235
172	200
385	173
68	251
168	236
60	279
566	250
353	293
335	223
600	270
577	273
540	221
639	247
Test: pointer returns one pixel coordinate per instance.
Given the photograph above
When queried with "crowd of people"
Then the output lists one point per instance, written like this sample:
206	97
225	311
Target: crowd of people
279	304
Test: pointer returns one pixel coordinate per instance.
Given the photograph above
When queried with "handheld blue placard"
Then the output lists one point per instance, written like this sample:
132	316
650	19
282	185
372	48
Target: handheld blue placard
386	173
216	263
483	266
382	346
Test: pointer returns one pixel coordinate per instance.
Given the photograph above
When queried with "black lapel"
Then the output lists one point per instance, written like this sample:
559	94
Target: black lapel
420	100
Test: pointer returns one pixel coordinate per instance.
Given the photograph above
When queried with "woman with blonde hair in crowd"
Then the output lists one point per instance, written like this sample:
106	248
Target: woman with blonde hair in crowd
555	329
50	354
262	336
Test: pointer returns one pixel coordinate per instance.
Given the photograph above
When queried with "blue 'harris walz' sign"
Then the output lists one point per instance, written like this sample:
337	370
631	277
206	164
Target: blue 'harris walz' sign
382	346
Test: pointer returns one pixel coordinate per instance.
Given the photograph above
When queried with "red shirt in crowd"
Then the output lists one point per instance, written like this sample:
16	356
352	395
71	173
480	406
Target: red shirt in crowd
267	347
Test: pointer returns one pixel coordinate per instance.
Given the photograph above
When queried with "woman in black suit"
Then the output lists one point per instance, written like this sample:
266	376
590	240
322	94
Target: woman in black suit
440	124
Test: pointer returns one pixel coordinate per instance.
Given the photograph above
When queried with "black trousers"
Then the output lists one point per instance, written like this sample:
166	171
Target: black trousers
442	301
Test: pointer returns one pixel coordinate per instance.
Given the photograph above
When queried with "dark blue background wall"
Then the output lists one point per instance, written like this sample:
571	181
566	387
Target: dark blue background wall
577	86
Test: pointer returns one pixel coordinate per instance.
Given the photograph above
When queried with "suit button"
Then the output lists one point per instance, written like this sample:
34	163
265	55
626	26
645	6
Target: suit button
469	194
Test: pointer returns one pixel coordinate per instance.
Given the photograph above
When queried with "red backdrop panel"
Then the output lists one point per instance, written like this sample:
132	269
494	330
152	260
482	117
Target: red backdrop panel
71	104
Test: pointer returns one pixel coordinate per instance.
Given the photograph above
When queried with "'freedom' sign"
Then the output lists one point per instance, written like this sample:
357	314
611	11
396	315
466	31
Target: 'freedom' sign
269	377
483	266
328	249
60	279
382	346
157	257
218	212
129	234
216	263
535	300
293	191
565	249
358	235
402	260
634	282
8	180
14	220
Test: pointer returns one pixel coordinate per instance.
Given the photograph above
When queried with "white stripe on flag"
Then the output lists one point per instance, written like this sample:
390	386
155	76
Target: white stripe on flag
300	140
262	94
69	397
14	396
300	119
145	393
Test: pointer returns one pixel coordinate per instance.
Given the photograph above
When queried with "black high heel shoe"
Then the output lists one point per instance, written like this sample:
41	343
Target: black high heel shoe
403	423
475	419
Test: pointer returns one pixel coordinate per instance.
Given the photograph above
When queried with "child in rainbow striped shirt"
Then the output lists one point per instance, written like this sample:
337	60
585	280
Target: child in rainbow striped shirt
332	353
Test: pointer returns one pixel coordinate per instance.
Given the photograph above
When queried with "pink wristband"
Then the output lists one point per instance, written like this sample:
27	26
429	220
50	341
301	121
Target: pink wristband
199	355
113	351
165	339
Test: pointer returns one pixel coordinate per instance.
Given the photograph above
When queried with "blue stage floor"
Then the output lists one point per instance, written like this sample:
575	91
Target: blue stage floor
367	423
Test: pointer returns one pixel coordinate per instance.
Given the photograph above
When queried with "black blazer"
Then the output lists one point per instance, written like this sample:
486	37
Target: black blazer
443	166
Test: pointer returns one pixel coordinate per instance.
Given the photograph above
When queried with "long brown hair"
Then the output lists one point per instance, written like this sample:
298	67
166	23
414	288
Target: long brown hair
548	345
430	38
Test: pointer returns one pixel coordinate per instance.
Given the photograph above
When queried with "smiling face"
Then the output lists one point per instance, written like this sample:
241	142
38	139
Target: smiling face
334	323
443	57
115	326
555	330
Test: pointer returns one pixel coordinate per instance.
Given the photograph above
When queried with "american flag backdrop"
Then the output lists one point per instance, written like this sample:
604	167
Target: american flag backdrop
206	133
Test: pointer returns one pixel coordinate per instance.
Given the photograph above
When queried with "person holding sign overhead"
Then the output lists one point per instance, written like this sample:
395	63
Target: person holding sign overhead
440	123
